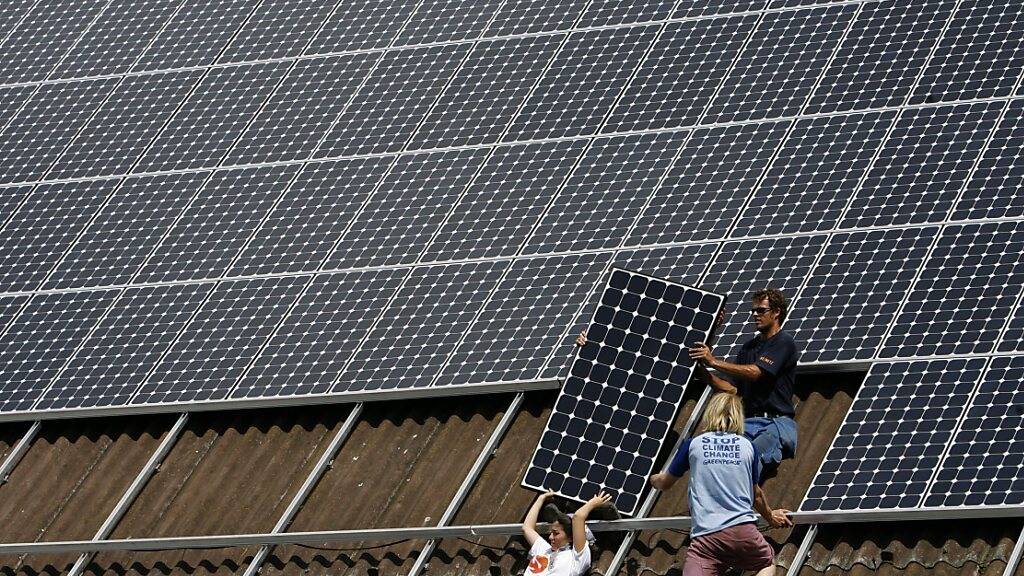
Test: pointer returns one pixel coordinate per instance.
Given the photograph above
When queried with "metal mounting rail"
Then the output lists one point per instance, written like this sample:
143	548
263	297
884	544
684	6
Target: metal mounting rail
133	491
19	451
307	486
1014	560
803	550
438	532
470	480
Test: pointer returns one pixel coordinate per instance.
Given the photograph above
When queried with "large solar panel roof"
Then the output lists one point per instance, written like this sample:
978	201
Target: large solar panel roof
245	202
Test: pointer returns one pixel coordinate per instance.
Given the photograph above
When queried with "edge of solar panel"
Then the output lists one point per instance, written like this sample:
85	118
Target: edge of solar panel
675	413
414	393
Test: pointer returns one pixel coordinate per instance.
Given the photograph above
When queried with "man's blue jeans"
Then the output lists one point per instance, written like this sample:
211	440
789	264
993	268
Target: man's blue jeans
775	439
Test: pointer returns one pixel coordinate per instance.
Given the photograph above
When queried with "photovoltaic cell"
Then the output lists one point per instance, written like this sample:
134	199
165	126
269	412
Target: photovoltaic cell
532	16
12	98
278	29
984	461
42	129
606	192
683	264
124	125
979	56
994	188
44	227
419	330
117	38
46	34
623	391
447	20
524	319
220	108
486	92
892	440
196	34
923	165
221	340
411	203
613	12
742	267
854	291
784	57
41	339
581	84
676	81
690	9
361	25
709	184
12	13
124	347
386	110
817	169
311	216
882	56
319	335
217	224
507	197
302	109
969	284
125	231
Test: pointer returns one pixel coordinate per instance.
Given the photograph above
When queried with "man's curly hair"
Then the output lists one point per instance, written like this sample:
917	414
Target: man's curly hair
775	300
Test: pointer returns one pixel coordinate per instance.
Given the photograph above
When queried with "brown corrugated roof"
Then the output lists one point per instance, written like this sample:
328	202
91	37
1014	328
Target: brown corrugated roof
236	472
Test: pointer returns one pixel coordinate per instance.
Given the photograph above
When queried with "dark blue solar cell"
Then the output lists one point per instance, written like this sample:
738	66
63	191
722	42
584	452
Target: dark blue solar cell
530	308
842	314
967	289
894	462
780	64
220	341
980	55
308	351
40	341
626	409
882	55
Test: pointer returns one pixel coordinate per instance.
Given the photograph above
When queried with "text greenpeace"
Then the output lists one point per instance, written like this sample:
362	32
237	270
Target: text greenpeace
721	450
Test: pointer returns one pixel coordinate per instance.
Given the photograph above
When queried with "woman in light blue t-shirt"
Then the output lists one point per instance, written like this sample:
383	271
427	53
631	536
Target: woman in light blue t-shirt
724	491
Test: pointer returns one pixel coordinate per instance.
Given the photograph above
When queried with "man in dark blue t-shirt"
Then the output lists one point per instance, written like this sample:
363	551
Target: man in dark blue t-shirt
763	374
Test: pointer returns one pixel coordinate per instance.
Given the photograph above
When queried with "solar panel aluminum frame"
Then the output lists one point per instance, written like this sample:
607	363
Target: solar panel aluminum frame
677	404
286	401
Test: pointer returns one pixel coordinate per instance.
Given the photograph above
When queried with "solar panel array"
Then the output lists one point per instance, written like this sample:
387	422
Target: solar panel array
624	389
238	199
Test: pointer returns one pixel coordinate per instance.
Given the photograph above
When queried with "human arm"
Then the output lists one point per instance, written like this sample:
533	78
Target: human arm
702	353
530	523
579	519
775	518
676	468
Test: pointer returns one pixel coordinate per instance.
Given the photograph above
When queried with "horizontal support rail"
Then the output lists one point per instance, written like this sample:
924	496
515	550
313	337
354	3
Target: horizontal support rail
439	532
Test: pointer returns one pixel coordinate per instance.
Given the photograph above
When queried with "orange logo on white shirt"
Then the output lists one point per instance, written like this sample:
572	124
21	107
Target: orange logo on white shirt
539	564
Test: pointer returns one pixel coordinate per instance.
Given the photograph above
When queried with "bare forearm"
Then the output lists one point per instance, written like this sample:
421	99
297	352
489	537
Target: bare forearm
719	384
744	371
761	504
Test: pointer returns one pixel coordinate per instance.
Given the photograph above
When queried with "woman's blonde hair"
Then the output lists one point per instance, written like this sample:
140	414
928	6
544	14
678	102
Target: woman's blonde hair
724	413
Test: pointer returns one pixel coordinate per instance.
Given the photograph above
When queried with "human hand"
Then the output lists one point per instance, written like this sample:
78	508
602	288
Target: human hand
546	496
719	320
779	519
581	340
661	481
701	353
599	500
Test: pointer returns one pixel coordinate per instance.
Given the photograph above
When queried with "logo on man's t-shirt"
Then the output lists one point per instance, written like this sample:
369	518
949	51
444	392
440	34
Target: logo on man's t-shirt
767	360
539	564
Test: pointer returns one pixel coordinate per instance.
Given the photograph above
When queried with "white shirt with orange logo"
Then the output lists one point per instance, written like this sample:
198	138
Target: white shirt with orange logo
562	562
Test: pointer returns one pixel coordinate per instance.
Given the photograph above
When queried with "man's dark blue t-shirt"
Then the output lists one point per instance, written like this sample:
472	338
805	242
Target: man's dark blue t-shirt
773	392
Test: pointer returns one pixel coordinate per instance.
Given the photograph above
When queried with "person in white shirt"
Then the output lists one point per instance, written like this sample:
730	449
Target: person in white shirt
566	551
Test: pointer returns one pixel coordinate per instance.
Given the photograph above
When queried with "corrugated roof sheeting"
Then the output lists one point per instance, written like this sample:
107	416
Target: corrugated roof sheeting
68	482
229	472
236	472
400	467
